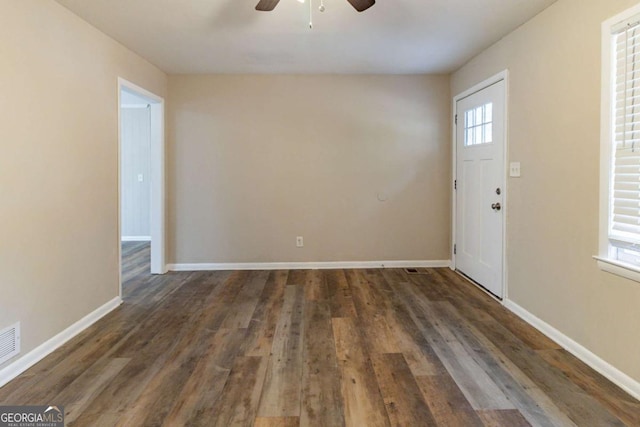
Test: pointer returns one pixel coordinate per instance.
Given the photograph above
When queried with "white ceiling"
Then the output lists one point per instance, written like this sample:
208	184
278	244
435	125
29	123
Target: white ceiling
230	36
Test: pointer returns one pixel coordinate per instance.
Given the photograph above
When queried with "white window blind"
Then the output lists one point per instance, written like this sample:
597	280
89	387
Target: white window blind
624	227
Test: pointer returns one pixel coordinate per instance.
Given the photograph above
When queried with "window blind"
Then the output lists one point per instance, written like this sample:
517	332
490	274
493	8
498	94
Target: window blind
624	230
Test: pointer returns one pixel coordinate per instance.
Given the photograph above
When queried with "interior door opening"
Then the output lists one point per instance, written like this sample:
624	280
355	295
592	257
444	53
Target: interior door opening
141	176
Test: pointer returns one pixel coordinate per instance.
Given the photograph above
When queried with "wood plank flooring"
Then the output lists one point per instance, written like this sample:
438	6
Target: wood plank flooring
315	348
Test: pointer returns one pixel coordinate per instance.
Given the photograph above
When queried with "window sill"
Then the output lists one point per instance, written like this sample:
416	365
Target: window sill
618	268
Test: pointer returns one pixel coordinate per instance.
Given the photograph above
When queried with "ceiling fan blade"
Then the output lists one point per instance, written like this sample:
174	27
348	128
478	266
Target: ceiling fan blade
362	5
267	5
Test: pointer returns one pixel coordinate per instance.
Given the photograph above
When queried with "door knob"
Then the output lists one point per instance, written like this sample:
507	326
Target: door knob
496	206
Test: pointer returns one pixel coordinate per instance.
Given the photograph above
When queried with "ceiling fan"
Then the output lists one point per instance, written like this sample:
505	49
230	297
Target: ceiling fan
359	5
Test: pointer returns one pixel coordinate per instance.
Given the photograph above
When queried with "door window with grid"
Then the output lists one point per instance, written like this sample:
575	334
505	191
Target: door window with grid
478	125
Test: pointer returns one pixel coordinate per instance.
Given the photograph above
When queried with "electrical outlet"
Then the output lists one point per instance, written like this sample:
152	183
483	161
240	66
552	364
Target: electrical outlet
299	242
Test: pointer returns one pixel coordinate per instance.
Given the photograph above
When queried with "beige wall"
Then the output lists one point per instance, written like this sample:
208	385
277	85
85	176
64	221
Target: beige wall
255	161
552	222
58	168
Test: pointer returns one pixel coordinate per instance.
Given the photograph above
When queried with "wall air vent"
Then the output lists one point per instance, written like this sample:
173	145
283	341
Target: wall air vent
9	342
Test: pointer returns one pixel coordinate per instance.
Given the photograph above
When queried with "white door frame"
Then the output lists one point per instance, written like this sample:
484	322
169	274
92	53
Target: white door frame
157	169
501	76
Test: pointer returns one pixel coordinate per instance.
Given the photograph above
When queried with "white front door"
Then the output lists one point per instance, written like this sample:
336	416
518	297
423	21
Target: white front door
480	186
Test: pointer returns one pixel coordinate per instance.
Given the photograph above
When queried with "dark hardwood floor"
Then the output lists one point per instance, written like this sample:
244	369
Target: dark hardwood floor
315	348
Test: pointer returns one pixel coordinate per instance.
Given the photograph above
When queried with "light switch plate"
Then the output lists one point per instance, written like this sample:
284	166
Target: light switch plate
514	169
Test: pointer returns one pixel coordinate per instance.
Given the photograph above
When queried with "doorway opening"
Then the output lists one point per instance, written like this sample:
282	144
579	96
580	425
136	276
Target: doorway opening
141	180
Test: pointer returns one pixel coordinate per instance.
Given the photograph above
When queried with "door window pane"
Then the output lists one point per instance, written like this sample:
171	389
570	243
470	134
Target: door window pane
478	125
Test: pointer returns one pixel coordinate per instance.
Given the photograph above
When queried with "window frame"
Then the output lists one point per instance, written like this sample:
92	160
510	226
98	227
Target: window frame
605	258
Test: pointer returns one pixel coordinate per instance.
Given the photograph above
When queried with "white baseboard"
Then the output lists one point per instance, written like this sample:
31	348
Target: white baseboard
43	350
135	239
612	373
333	265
